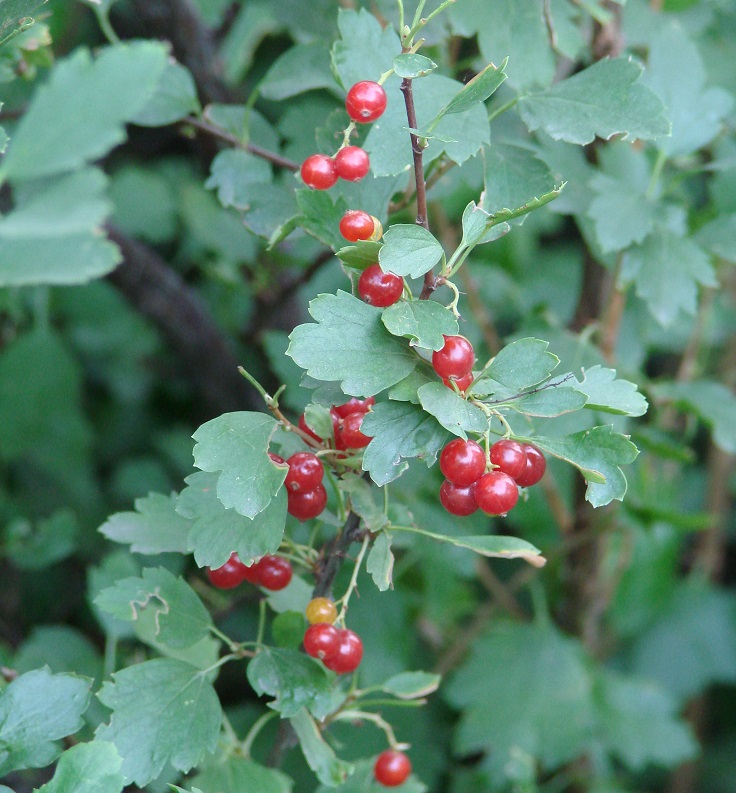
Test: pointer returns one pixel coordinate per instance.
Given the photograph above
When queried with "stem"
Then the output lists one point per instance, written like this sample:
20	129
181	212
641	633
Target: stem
103	20
221	662
333	555
503	108
353	581
374	718
261	621
247	744
215	631
111	647
656	173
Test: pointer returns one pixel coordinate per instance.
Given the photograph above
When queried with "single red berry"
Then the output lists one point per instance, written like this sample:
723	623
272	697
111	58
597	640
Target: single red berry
496	493
462	462
536	465
229	575
251	574
463	383
307	504
392	768
509	457
458	499
304	427
365	101
356	225
352	163
274	573
348	653
305	471
277	458
455	359
320	640
354	405
319	172
378	288
336	429
350	433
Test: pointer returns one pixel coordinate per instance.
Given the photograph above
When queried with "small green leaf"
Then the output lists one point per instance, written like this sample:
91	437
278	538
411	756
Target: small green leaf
362	254
485	83
321	215
49	541
409	250
494	546
523	364
13	11
609	395
302	67
548	402
411	685
330	770
236	445
235	174
409	65
719	237
406	390
452	411
174	98
380	562
423	322
362	501
288	629
238	775
155	527
514	176
87	768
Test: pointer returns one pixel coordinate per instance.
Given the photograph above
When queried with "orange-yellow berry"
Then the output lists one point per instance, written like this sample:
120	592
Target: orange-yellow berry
321	610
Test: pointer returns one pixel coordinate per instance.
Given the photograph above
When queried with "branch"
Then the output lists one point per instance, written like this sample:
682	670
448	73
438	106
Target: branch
333	556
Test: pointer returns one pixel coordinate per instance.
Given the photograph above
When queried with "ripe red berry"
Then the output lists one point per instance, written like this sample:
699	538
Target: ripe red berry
496	493
378	288
350	433
229	575
304	427
509	457
392	768
352	163
274	573
536	465
458	499
455	359
463	383
307	504
462	462
365	101
320	640
356	225
305	471
354	405
321	610
348	653
336	426
319	172
251	574
277	458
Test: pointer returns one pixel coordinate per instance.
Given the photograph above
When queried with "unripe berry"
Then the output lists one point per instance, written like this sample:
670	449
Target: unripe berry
321	610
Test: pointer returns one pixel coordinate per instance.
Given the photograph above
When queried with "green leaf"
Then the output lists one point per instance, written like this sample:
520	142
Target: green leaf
362	780
399	430
3	139
411	685
603	100
360	255
514	176
550	401
485	83
37	709
236	444
236	775
155	527
609	395
362	502
364	49
667	269
598	454
350	344
719	237
49	541
423	322
288	629
174	98
303	67
493	546
523	364
452	411
164	712
181	618
409	65
52	236
330	770
409	250
217	532
236	174
321	215
380	562
293	678
80	113
407	389
87	768
13	11
62	649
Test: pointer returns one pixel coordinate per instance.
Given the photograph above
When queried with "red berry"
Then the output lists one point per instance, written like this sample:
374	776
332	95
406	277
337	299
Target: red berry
509	457
356	225
352	163
229	575
378	288
462	462
392	768
458	499
365	101
455	359
336	427
305	471
536	465
274	573
354	405
251	574
277	458
307	504
496	493
304	427
463	383
321	640
350	433
319	172
348	653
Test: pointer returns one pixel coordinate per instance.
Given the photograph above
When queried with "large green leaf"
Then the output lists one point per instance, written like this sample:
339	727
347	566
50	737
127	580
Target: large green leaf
237	775
303	67
409	250
513	177
80	113
609	395
87	768
364	49
452	411
236	445
164	712
174	98
423	322
522	364
350	344
36	710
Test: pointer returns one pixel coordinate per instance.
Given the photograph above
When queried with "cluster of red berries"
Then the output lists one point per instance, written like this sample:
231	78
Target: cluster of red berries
365	102
306	494
339	649
270	572
468	486
346	422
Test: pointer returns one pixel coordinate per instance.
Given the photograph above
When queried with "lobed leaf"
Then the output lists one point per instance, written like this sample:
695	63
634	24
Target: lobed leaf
409	250
423	322
155	527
